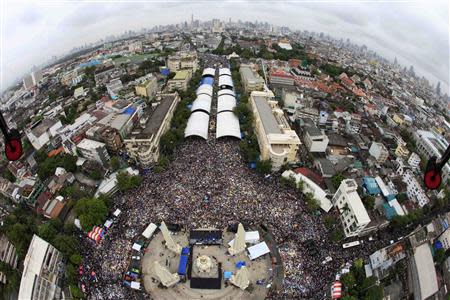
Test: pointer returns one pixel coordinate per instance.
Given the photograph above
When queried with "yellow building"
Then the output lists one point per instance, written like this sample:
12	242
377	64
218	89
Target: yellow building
277	141
180	81
402	151
397	119
148	88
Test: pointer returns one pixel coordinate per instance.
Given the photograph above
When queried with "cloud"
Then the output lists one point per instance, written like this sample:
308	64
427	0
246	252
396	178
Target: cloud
415	32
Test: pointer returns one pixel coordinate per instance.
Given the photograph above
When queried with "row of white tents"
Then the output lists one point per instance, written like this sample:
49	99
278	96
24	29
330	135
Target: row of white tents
227	122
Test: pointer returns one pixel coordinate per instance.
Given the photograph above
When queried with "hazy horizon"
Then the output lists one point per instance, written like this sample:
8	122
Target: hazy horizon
416	32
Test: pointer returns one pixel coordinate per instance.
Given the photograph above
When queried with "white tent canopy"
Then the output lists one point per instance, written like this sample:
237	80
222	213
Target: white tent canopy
251	237
225	80
227	125
117	212
226	102
203	102
148	232
205	89
224	71
258	250
225	92
136	247
209	71
108	223
135	285
197	125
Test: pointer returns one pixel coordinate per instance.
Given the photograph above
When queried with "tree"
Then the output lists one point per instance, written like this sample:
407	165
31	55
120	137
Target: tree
337	179
348	281
47	232
76	259
439	256
114	163
369	201
91	212
95	175
66	244
76	292
264	166
8	175
311	202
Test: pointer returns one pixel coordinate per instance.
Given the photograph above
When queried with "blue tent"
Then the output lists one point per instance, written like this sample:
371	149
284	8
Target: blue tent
129	111
252	165
207	80
227	274
371	186
165	71
437	245
240	264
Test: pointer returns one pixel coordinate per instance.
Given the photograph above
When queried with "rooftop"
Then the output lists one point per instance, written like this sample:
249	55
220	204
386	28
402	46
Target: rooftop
426	272
181	75
156	118
265	112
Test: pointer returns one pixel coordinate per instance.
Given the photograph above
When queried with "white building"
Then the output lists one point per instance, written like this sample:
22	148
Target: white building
445	239
113	87
250	79
93	150
8	255
143	142
414	191
41	273
277	141
315	140
379	152
430	144
40	133
414	160
354	216
352	127
311	187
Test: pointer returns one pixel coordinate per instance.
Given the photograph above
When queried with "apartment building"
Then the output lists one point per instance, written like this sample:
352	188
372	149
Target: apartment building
93	150
251	80
354	217
42	275
277	141
379	152
143	142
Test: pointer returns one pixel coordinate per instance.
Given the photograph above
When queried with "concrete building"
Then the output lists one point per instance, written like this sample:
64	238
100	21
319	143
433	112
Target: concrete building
379	152
277	141
183	60
354	216
93	150
315	140
414	160
422	273
113	87
444	238
180	81
147	88
281	77
8	255
143	143
250	79
39	134
352	127
401	151
430	144
41	277
27	82
414	190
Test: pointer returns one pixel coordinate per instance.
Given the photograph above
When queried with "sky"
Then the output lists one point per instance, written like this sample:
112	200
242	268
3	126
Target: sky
416	32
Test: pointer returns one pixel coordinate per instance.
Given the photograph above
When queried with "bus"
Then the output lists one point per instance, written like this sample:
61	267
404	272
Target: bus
351	244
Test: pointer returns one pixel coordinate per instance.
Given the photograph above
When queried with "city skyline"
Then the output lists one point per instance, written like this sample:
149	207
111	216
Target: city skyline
63	25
